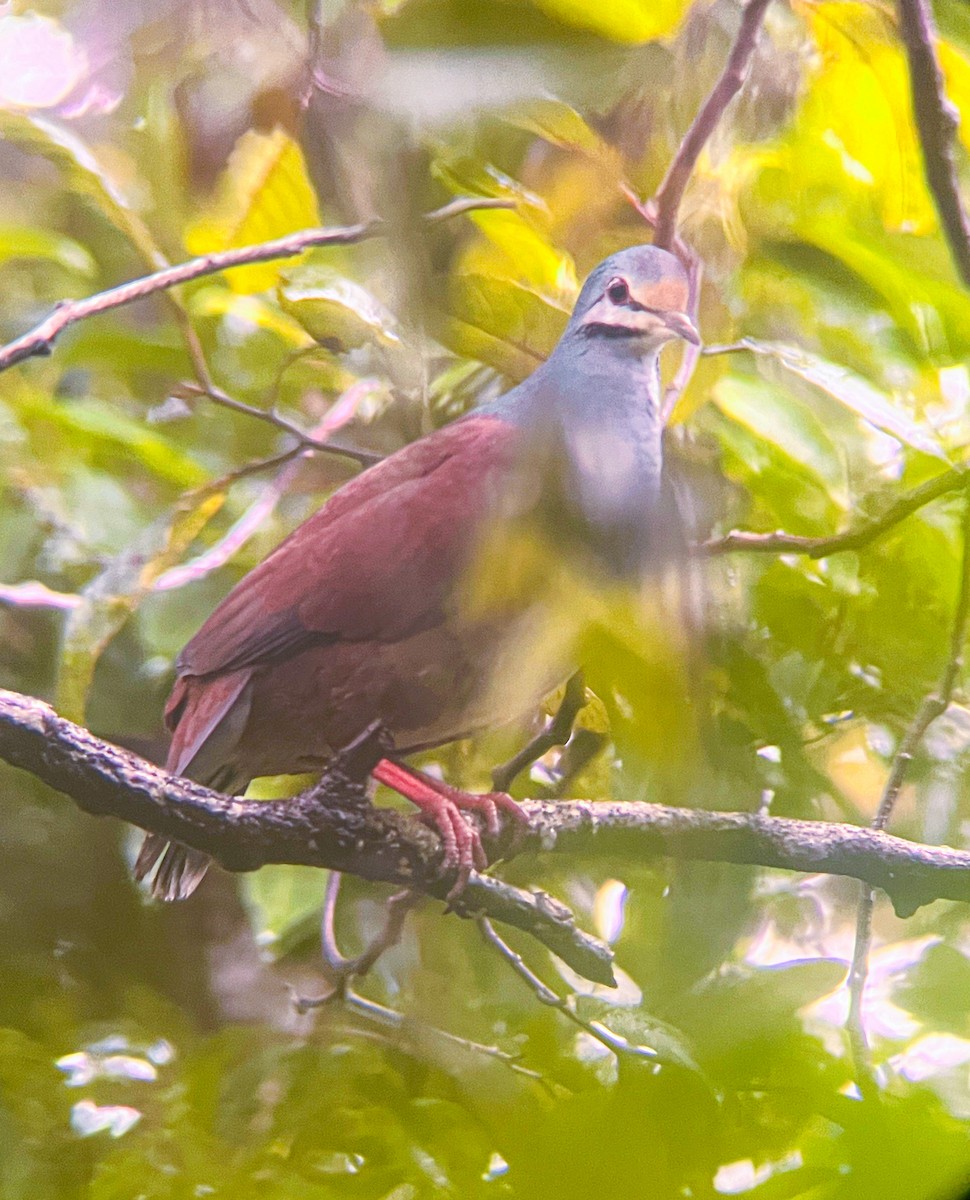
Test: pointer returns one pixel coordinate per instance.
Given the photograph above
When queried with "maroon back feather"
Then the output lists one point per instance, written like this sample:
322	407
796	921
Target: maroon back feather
376	563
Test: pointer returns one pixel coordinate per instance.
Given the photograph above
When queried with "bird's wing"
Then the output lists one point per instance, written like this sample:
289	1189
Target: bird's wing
377	562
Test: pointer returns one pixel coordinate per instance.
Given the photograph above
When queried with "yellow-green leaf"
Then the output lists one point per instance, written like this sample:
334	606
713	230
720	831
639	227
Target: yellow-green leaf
113	595
503	324
264	193
334	309
627	21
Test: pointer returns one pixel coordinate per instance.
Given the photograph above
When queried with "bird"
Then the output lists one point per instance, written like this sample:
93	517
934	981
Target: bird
355	618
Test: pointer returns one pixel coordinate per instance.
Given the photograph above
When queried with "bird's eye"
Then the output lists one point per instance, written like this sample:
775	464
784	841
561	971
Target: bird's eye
618	291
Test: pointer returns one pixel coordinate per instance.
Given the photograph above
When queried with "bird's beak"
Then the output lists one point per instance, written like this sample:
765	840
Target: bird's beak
680	325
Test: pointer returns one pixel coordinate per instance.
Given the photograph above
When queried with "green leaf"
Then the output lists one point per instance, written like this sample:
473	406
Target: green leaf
29	241
334	309
505	325
105	426
85	174
854	393
283	903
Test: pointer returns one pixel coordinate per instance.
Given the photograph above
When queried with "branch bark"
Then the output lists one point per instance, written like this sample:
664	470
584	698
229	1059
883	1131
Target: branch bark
671	191
332	827
937	122
854	538
40	340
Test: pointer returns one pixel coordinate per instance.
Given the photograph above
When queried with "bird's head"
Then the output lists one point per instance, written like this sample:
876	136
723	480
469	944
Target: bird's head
637	298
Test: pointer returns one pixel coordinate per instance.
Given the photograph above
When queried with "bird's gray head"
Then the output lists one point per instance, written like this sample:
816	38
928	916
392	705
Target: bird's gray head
594	409
636	298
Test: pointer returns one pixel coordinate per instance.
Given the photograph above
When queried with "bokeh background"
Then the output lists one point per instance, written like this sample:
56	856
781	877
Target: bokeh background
156	1052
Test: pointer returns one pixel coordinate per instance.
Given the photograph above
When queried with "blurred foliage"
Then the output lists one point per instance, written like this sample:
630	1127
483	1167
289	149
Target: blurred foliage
155	1053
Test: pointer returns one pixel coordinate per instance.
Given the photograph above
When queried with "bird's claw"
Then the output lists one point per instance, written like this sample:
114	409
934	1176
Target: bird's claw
444	807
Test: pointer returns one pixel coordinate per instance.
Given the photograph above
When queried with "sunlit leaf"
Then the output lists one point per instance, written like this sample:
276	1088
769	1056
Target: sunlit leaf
854	392
874	135
248	310
264	193
630	21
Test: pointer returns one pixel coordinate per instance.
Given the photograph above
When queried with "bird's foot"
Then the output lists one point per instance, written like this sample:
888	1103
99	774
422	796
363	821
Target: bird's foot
444	807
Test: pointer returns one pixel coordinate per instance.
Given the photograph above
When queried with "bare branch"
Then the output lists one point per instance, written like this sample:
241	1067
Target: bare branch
33	594
305	441
853	538
671	190
855	1024
40	340
556	732
937	122
342	968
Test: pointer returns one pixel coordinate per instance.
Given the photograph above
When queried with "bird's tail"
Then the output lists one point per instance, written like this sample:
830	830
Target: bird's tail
178	871
207	723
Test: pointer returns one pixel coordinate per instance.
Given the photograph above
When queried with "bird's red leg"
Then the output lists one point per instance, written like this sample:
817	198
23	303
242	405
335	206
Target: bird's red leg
443	806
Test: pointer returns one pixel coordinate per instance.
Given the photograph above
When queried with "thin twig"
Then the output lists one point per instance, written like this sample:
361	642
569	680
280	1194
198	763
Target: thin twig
853	538
671	190
343	968
557	732
305	441
392	1019
33	594
934	705
340	412
545	995
937	122
855	1023
40	340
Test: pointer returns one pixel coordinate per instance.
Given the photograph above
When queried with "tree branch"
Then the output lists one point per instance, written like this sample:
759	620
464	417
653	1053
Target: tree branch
332	828
853	538
326	827
40	340
671	191
937	122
